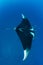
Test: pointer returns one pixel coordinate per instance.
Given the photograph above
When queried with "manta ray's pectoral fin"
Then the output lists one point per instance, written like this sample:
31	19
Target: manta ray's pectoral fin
23	17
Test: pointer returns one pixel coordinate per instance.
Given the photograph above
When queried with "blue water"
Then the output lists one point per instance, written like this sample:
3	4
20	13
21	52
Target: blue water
11	51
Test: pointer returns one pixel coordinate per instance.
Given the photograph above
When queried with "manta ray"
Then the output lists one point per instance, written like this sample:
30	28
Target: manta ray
25	32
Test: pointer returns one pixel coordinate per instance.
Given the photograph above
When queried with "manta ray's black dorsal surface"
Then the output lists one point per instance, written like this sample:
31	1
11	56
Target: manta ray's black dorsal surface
25	33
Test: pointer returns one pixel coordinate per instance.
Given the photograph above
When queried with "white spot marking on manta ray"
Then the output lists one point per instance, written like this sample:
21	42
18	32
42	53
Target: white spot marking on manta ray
20	29
26	52
32	29
32	34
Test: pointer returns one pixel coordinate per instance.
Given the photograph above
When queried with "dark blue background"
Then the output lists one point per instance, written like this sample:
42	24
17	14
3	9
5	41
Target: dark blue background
11	51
